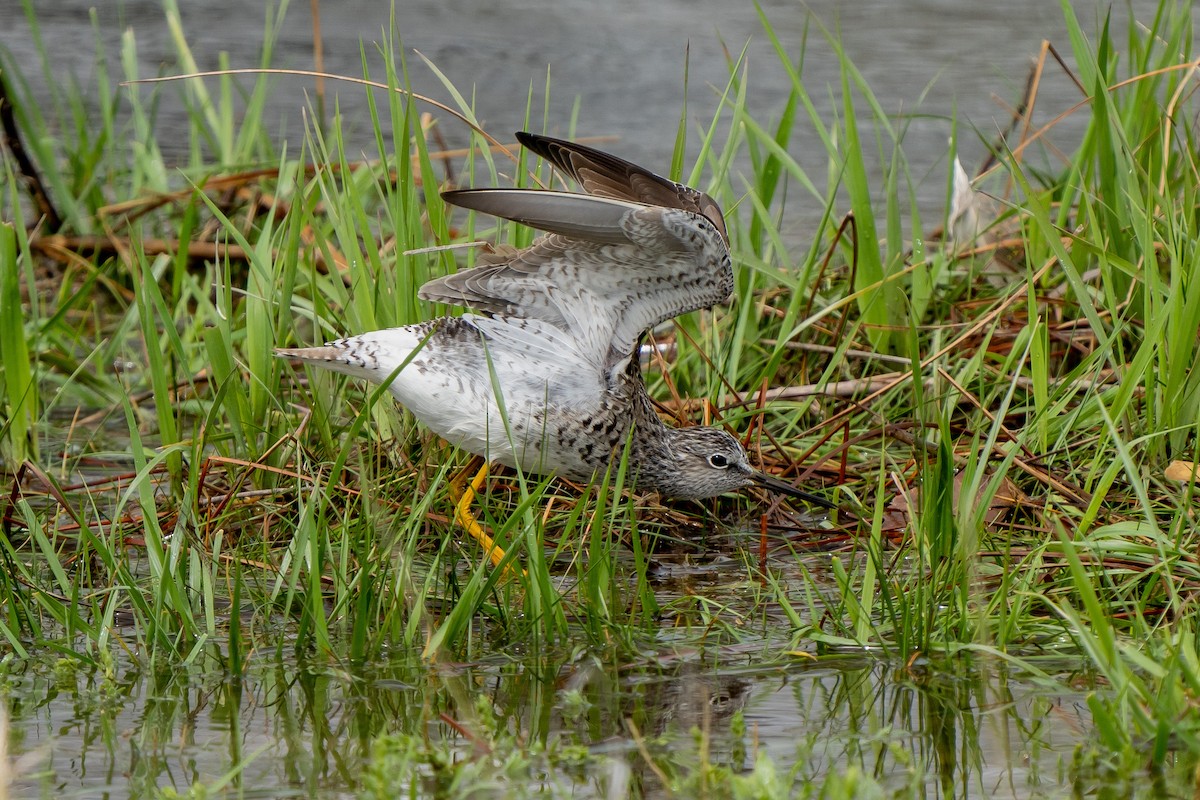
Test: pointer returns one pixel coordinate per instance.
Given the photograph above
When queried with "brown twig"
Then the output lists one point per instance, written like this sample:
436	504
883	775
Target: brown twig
51	245
11	138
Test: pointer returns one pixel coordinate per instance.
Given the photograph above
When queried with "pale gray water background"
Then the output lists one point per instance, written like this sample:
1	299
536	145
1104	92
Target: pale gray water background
623	63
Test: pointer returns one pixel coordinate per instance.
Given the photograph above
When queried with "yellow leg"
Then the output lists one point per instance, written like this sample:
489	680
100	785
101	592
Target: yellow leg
463	496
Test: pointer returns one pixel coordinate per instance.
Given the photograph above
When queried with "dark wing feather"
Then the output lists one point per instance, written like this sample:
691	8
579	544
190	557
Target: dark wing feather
604	175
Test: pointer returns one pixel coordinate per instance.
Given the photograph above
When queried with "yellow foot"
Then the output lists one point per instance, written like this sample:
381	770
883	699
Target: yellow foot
463	497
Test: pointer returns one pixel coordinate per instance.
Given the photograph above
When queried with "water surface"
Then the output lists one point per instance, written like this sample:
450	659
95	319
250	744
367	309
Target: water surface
617	69
304	727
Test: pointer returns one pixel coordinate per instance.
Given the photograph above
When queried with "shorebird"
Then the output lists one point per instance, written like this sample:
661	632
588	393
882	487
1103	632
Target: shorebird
544	376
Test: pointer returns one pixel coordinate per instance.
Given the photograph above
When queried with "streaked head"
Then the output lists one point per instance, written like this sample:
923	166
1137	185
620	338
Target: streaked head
705	462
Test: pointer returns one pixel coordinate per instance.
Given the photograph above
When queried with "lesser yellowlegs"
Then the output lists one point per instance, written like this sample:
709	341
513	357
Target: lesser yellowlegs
545	377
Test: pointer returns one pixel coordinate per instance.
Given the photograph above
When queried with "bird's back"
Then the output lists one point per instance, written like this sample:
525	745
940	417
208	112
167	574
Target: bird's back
511	389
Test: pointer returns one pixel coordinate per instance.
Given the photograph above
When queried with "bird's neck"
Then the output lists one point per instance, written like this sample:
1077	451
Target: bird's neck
650	441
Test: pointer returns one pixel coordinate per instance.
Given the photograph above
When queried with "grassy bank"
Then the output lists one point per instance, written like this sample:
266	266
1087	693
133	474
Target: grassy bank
1008	423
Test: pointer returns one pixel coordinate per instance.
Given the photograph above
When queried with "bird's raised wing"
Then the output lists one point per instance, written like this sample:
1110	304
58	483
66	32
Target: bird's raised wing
611	267
604	175
609	271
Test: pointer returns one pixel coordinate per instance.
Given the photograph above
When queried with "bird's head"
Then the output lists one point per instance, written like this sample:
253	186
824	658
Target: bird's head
705	462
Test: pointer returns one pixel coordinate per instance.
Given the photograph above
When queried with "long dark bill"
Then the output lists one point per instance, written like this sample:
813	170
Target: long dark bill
783	487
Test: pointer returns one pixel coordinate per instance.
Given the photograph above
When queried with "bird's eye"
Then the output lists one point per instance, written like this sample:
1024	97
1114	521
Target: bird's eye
718	461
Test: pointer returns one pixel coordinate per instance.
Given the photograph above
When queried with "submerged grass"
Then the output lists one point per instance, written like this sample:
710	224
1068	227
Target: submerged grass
1009	420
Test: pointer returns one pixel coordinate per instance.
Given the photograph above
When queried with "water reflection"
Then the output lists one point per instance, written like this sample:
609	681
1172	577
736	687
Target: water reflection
963	728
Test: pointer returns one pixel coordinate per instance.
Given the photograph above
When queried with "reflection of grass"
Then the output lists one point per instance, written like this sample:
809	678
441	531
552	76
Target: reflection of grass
1007	458
497	764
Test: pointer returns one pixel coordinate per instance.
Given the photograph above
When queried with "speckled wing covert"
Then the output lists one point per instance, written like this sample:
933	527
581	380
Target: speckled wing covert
614	264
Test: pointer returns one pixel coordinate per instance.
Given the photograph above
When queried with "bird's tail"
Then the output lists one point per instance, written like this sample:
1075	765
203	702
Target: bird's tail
373	356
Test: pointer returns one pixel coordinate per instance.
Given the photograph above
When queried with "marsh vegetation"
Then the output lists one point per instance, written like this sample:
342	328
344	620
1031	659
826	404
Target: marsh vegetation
225	577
